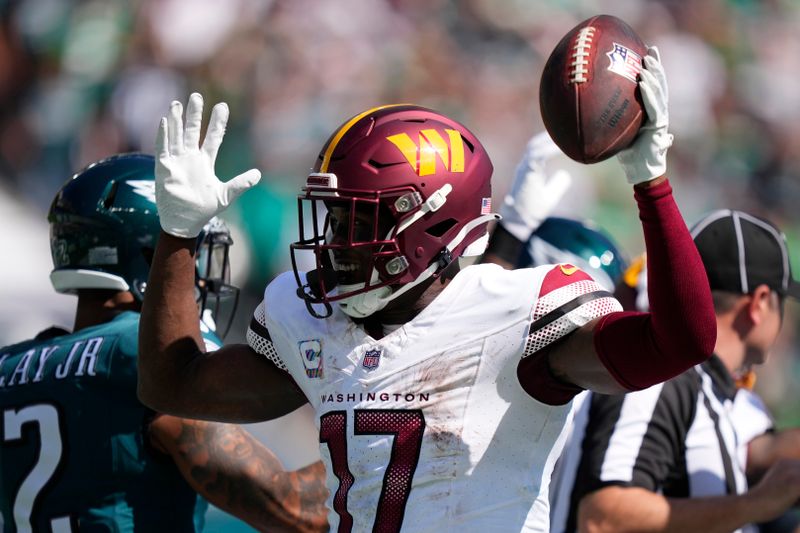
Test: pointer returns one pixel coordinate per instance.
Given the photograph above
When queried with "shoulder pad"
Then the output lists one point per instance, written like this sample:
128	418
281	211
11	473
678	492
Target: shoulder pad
562	275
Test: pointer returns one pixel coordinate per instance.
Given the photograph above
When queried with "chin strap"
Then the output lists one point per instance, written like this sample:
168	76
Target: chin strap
367	303
313	289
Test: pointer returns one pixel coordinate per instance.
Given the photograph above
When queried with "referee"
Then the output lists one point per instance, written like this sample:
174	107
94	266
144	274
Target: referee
667	458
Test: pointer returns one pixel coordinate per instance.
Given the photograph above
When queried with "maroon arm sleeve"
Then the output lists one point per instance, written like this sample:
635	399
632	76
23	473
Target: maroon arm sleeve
642	349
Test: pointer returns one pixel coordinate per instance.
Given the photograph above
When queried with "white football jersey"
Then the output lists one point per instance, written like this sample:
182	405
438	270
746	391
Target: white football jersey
428	428
751	418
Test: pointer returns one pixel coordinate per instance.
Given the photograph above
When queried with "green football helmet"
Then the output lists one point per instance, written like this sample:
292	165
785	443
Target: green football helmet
582	244
104	228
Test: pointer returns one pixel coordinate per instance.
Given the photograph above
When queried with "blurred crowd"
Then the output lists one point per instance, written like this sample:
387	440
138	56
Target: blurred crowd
83	79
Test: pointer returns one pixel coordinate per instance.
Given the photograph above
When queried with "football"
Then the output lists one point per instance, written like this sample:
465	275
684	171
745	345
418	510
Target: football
589	93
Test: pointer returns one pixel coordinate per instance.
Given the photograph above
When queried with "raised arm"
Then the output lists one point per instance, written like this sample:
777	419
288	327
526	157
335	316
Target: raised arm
623	351
235	472
175	375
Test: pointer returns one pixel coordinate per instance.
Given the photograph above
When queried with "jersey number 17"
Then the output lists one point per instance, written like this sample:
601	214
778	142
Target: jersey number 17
407	427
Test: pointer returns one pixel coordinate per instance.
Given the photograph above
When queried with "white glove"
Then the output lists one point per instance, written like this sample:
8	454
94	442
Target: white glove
533	194
188	192
646	158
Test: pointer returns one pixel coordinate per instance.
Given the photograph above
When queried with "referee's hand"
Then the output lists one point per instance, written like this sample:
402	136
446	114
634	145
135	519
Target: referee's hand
777	491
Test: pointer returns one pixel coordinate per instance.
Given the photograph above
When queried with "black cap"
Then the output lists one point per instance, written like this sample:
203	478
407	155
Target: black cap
741	252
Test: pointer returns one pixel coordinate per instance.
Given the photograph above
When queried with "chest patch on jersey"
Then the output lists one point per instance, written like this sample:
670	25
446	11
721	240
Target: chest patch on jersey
372	359
561	276
311	353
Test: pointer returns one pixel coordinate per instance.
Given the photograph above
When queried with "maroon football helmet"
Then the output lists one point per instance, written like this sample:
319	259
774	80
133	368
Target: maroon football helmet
406	191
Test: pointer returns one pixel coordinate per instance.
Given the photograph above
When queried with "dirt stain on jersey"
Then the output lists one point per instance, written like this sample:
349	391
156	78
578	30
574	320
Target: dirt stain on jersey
446	442
432	375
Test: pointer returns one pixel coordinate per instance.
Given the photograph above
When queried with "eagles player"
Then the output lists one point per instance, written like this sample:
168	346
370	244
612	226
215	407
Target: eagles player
441	393
579	243
78	451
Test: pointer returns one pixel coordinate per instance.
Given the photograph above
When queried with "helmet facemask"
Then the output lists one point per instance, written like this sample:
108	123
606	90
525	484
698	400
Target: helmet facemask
216	297
355	245
358	244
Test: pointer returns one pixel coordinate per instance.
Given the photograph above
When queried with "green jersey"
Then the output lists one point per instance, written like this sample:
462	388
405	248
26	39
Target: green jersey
73	451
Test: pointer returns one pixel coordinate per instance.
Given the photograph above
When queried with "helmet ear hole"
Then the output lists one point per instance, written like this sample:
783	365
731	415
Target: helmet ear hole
112	195
437	230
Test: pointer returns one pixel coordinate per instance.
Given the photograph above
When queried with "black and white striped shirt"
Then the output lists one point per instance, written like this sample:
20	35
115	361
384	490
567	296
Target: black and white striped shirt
676	438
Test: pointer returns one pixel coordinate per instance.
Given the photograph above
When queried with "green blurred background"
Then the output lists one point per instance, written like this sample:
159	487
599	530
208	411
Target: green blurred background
83	79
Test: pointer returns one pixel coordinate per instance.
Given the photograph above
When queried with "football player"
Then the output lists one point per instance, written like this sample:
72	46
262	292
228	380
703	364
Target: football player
78	451
579	243
441	393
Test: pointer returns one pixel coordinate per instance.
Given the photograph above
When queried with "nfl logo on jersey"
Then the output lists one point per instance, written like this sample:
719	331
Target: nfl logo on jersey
371	359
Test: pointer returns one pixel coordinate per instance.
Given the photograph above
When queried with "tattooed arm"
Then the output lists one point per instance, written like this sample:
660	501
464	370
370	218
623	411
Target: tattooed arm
238	474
